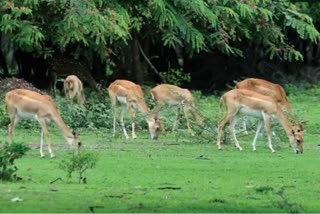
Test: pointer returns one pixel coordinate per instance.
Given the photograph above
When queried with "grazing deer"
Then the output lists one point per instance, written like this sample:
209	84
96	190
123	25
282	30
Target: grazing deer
171	95
131	97
266	88
26	104
73	87
252	103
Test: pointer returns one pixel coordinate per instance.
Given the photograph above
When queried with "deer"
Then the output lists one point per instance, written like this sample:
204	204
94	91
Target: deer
27	104
171	95
243	101
73	87
266	88
59	68
131	97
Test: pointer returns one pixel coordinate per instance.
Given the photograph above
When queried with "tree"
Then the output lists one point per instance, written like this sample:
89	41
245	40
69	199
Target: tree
106	28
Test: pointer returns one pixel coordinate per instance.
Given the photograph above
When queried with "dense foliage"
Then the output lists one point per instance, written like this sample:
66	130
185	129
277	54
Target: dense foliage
105	26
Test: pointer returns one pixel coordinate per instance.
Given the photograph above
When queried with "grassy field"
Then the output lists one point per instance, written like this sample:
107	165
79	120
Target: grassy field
174	174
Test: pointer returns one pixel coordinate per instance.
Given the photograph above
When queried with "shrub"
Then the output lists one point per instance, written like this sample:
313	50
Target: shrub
176	76
8	154
100	115
78	162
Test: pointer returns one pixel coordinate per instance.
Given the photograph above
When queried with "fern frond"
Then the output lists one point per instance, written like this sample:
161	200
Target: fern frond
302	24
245	10
265	13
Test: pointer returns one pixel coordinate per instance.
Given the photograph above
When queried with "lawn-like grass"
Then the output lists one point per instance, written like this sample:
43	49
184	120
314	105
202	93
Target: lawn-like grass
164	176
173	174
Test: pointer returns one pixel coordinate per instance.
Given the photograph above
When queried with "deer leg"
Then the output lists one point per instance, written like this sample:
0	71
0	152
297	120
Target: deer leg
113	108
186	115
266	118
163	130
123	109
41	144
133	119
256	135
45	133
72	95
156	112
221	124
81	99
69	96
232	132
244	125
14	121
81	91
176	120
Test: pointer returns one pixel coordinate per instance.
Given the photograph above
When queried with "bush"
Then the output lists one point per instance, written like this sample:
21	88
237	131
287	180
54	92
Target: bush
176	76
100	115
8	154
78	163
75	115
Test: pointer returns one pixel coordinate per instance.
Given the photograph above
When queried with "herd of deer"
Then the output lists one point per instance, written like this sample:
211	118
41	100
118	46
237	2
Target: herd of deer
255	97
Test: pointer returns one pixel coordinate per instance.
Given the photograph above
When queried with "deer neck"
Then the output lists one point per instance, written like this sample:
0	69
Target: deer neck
142	107
57	119
284	122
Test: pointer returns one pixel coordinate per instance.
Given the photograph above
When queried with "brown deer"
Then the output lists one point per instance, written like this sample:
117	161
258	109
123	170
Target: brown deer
171	95
266	88
130	96
255	104
26	104
73	87
59	68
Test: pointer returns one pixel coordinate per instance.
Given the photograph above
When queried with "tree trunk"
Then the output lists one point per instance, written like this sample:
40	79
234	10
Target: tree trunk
309	52
8	51
4	66
136	63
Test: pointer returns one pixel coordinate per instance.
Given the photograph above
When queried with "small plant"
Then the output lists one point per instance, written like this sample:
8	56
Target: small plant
8	154
78	163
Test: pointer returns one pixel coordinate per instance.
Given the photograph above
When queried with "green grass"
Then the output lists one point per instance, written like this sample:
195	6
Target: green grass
173	174
147	176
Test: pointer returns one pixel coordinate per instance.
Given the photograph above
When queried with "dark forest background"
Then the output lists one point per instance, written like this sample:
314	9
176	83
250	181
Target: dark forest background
198	44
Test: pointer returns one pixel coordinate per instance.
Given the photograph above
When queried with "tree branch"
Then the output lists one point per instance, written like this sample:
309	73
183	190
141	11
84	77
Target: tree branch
150	64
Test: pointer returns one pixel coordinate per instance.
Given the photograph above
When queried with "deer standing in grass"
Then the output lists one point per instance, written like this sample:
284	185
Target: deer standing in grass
266	88
255	104
131	97
73	87
26	104
171	95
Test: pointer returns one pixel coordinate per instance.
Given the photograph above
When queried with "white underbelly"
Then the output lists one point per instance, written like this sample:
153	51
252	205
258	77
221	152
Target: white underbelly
31	116
122	100
250	112
173	103
27	115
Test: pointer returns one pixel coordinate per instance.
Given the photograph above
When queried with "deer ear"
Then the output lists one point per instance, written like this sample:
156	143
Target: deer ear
304	122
